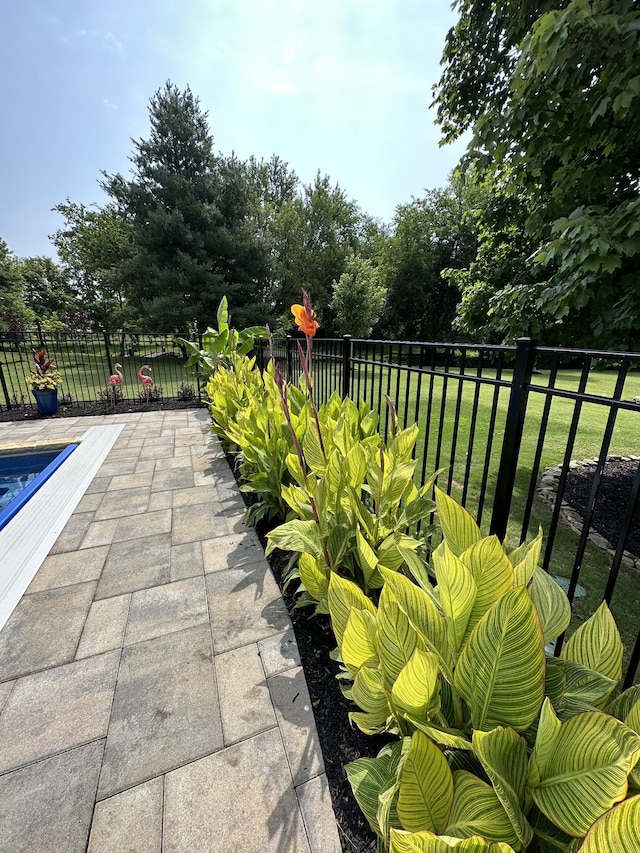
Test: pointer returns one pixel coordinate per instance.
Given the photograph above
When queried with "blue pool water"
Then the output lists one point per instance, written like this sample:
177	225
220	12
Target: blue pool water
22	474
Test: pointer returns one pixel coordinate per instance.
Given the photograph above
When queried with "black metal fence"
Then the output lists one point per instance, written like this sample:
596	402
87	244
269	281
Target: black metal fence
512	427
87	360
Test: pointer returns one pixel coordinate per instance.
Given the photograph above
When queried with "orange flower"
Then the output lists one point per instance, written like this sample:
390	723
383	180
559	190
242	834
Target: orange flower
305	319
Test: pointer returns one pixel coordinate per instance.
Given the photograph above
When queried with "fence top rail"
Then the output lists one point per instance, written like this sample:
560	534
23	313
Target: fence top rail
585	397
610	355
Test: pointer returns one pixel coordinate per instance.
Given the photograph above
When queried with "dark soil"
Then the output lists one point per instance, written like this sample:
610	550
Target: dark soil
340	742
613	497
75	410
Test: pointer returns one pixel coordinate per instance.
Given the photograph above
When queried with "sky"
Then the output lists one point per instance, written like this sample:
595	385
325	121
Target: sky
339	86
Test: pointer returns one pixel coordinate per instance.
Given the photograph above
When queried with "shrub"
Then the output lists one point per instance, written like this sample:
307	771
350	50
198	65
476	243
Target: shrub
498	743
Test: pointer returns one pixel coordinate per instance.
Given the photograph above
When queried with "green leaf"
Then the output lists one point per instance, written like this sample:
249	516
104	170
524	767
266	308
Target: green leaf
368	777
457	590
342	596
366	556
500	673
296	535
548	838
572	688
222	314
617	831
422	612
578	769
623	703
503	754
426	787
369	693
414	689
597	644
525	566
359	640
396	637
551	603
492	572
427	842
458	528
476	810
314	578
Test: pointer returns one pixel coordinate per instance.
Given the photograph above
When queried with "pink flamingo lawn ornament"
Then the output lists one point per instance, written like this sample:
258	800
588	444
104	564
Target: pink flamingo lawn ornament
147	381
116	381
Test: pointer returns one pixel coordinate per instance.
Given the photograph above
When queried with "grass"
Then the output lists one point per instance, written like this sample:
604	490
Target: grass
85	369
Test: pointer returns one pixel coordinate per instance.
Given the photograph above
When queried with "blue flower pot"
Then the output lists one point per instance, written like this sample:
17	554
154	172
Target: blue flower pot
47	401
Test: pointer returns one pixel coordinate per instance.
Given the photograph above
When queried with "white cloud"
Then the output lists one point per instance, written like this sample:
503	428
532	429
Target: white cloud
108	104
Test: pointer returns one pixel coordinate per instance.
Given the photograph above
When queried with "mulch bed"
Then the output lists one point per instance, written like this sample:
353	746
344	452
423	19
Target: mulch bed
611	503
75	410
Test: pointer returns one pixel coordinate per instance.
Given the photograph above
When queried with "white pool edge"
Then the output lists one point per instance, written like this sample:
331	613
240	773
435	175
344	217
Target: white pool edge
28	538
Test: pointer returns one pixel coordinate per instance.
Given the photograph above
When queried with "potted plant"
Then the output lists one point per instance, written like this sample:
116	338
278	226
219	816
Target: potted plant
44	382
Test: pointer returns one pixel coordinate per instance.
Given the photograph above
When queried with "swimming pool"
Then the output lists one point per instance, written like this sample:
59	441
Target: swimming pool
27	538
22	474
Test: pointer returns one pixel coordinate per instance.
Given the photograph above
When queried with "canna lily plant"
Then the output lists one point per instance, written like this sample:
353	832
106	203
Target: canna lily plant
500	747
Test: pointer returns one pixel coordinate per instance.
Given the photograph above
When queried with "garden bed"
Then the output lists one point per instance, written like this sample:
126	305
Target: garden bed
75	410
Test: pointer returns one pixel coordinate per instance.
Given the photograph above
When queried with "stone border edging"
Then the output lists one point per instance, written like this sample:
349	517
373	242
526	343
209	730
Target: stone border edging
548	490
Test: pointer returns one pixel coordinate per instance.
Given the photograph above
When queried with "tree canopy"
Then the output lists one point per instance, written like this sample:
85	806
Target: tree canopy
551	92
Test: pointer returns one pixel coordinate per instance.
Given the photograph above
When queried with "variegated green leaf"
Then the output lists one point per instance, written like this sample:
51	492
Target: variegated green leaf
402	445
500	673
623	703
366	556
423	614
396	637
527	560
458	527
426	787
368	777
551	603
359	640
355	465
572	688
457	590
578	769
427	842
617	831
313	454
342	596
503	754
314	578
415	690
492	572
476	810
395	484
548	838
443	736
418	568
369	692
368	723
296	535
597	644
633	721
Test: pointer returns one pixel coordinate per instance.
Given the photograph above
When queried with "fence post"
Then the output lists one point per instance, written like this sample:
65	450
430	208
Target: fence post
522	371
289	362
346	364
5	390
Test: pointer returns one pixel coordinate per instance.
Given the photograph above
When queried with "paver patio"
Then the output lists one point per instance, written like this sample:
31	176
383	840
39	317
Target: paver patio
151	694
